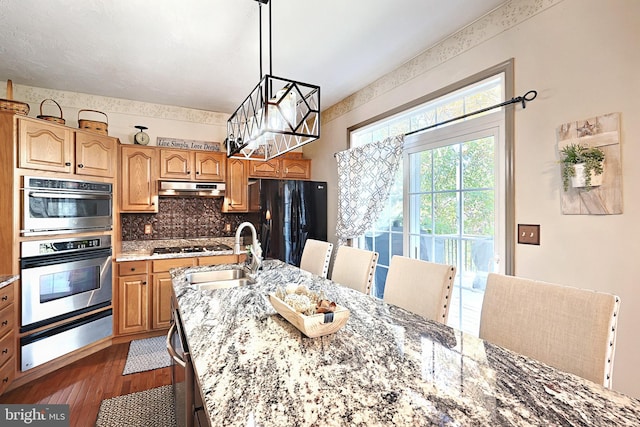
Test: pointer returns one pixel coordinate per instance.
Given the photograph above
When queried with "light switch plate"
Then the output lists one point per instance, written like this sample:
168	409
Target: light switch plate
529	234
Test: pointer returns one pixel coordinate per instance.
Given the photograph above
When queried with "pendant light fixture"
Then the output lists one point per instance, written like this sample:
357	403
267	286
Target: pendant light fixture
278	116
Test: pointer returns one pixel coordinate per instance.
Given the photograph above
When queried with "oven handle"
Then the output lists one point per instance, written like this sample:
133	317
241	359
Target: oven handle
172	351
92	196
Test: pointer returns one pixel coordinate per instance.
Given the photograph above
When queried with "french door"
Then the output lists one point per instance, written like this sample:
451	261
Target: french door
454	208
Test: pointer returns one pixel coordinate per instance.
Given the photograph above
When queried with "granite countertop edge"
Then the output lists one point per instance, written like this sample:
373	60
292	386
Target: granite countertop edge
7	279
144	256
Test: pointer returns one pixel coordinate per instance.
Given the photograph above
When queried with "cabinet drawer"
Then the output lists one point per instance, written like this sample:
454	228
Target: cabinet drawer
6	296
7	347
7	373
130	268
166	264
6	320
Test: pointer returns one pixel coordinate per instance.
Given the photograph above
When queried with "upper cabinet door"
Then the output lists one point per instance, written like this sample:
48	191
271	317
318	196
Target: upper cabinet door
139	192
268	169
296	169
210	166
95	155
45	146
176	164
236	193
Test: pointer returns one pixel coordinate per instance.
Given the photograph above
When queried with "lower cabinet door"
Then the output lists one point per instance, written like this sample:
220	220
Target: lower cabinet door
161	298
133	304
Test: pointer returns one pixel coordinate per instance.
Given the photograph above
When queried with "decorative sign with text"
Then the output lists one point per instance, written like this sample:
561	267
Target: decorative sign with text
187	144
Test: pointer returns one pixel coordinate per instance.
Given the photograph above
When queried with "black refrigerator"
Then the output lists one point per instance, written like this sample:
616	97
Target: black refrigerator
290	213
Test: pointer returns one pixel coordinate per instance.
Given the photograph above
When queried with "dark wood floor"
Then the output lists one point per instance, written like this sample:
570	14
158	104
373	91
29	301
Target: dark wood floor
85	383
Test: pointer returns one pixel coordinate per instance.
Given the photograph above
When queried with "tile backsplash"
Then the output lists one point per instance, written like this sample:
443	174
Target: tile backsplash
184	218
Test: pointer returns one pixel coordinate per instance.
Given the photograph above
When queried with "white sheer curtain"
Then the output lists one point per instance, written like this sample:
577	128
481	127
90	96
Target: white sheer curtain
365	176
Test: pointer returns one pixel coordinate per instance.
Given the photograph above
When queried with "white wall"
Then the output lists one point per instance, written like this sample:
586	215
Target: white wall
123	115
582	58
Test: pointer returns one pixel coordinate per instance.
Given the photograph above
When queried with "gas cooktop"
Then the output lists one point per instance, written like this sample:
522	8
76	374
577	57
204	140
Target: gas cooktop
191	249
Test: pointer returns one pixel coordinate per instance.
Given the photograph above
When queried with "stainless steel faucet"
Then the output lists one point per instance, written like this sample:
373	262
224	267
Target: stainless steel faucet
256	249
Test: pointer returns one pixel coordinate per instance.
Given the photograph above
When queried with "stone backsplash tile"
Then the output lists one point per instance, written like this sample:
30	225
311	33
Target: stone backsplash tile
184	218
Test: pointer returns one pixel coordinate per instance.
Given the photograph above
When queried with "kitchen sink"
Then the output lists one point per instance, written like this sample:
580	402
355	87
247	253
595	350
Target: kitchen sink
219	279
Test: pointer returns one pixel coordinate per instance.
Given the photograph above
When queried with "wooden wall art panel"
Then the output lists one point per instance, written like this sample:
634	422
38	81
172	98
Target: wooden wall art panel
602	132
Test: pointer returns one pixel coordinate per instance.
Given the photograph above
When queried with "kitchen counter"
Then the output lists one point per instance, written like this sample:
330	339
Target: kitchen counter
6	279
385	367
147	255
143	250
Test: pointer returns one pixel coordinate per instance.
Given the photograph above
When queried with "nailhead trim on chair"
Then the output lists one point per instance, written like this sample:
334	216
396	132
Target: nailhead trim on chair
327	260
372	269
446	297
611	345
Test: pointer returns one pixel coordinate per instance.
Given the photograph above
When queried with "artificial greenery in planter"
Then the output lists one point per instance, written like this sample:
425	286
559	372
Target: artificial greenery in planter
573	154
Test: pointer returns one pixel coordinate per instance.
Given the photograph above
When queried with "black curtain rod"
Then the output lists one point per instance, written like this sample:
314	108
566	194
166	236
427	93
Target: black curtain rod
527	97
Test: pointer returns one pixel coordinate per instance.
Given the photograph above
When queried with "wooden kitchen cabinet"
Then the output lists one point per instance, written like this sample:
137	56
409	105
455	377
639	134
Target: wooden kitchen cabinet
193	165
7	336
281	168
236	197
133	297
95	155
45	146
162	289
133	304
52	147
144	294
265	169
138	186
295	169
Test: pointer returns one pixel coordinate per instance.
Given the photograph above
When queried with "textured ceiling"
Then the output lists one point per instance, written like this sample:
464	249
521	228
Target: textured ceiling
204	54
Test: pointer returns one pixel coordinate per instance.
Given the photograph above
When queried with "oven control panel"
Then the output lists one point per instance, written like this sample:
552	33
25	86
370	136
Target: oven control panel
66	184
44	247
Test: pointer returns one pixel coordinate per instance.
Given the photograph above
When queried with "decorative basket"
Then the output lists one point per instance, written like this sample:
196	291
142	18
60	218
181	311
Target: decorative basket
92	125
60	120
9	104
313	326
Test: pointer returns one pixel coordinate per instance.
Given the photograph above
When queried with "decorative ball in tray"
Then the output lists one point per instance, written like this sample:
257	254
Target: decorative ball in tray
310	312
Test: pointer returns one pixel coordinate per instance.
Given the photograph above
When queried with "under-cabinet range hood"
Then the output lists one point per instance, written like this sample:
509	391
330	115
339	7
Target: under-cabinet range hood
191	189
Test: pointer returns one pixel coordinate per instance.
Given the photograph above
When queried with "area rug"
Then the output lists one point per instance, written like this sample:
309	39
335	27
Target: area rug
147	354
153	408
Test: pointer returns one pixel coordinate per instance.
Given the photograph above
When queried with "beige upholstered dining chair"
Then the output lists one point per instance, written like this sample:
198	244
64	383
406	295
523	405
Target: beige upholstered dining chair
421	287
568	328
355	268
316	256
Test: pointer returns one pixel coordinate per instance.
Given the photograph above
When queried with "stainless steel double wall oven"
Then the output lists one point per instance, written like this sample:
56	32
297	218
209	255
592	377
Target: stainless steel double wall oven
66	276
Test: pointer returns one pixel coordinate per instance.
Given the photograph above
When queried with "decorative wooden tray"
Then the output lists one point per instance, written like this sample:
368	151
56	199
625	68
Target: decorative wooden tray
313	326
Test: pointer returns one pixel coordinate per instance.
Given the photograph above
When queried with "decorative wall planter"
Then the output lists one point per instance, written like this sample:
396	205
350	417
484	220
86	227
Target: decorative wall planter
579	181
603	196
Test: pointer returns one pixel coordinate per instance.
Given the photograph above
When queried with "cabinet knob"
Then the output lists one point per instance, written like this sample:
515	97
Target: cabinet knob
133	269
5	297
188	172
80	165
5	323
5	351
5	379
197	173
144	283
67	163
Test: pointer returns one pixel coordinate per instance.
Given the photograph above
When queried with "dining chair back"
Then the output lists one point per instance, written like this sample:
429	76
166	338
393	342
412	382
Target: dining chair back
421	287
568	328
355	268
316	256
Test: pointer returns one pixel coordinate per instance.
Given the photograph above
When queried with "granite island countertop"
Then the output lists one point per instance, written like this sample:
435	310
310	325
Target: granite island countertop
6	279
385	367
